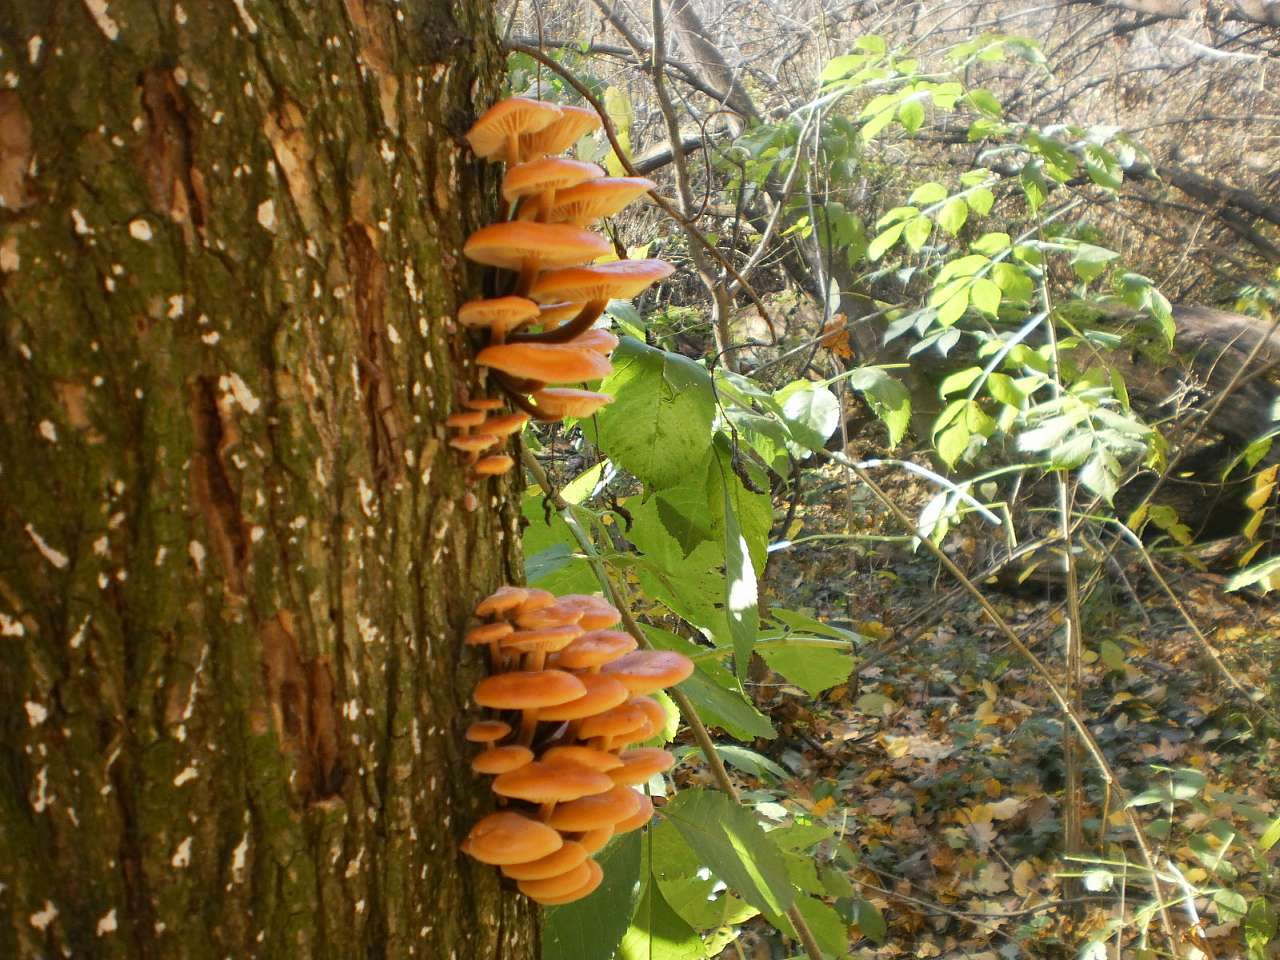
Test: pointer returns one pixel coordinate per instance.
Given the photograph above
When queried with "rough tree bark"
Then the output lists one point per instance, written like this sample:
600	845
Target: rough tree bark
236	558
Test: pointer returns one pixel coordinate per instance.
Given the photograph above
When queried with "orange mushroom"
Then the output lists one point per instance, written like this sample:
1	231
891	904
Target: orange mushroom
498	316
530	247
537	182
556	403
506	837
496	135
572	125
595	199
596	285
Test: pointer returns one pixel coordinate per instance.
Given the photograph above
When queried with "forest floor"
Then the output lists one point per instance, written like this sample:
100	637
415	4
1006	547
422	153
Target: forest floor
939	765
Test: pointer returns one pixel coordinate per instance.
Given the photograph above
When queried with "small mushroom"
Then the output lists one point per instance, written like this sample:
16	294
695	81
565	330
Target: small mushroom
595	199
552	887
640	764
506	837
545	362
552	865
551	315
637	819
549	784
644	671
531	247
596	285
593	841
527	691
487	731
572	125
501	600
490	634
586	756
487	404
499	760
594	649
490	466
594	812
597	876
496	135
603	693
498	316
556	403
536	644
537	182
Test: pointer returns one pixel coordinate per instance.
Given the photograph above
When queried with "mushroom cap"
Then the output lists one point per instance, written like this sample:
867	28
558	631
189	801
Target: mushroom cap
597	612
528	690
489	466
593	841
487	731
540	782
560	402
535	599
567	882
552	245
506	424
595	648
473	442
488	632
553	314
483	403
644	671
598	339
586	756
572	125
552	865
640	764
502	759
556	614
603	693
588	888
506	312
546	362
653	710
465	419
508	118
594	199
549	173
594	812
506	837
638	819
504	598
617	280
613	722
549	639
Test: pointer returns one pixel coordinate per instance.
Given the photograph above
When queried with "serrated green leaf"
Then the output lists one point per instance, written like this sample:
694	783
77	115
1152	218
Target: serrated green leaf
888	398
659	933
953	442
731	843
660	420
714	692
741	591
812	669
1102	475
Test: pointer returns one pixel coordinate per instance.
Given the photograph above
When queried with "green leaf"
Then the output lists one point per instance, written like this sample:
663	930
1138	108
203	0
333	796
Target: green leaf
660	420
953	442
984	101
658	933
741	591
1013	282
870	921
827	926
883	241
917	232
1004	389
953	215
911	115
927	193
871	42
985	296
731	843
1271	836
592	928
1090	261
714	693
810	411
954	307
1102	474
1263	574
991	243
752	762
959	381
981	201
888	398
842	66
812	669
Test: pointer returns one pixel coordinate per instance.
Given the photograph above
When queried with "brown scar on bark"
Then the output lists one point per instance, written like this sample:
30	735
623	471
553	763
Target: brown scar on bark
303	707
369	276
370	28
175	187
15	153
285	129
211	486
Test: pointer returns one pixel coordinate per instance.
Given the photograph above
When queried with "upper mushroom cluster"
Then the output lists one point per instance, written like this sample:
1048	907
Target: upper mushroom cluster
541	334
578	691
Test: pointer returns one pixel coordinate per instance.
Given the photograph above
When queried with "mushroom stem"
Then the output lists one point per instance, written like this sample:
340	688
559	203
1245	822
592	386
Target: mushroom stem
546	200
545	811
528	723
510	389
566	332
528	273
513	149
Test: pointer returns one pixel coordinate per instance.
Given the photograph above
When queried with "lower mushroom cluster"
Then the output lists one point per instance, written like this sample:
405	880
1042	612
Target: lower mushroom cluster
580	690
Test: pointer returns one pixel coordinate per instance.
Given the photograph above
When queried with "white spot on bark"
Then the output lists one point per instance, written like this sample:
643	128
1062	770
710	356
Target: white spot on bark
107	924
56	557
180	76
182	856
41	801
161	553
211	338
98	10
248	21
240	392
179	15
267	215
185	776
33	48
10	627
41	919
48	431
77	638
196	549
36	713
81	224
177	306
101	546
140	230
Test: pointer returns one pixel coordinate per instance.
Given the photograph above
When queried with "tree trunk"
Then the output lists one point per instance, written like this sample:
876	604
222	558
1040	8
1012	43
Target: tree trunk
236	560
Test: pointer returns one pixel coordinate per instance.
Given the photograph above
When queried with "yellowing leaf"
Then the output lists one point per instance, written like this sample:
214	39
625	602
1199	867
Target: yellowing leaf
1024	875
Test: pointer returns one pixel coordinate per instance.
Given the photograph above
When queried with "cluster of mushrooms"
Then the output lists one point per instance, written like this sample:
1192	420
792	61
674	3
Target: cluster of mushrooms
572	695
541	332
